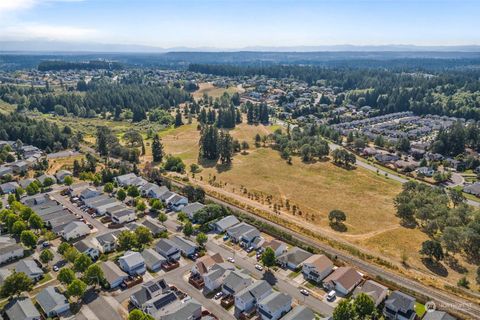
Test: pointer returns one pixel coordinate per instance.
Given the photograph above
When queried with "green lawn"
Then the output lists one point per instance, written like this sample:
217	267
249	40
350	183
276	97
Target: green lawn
420	309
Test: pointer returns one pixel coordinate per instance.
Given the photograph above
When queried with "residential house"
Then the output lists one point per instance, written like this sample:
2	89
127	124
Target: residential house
125	179
74	230
152	190
44	177
30	268
192	208
276	305
438	315
300	313
249	297
154	227
9	250
205	263
399	306
317	267
86	247
132	263
9	187
426	171
4	274
52	302
22	308
148	291
374	290
24	183
187	247
225	223
343	280
113	274
235	282
176	202
153	260
216	275
277	246
89	193
473	188
106	242
189	310
168	249
20	166
62	174
124	216
5	171
293	258
243	233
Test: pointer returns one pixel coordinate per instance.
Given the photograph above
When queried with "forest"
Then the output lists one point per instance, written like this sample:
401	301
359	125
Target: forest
55	65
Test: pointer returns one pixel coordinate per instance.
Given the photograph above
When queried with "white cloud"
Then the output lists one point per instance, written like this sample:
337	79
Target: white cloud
7	6
48	32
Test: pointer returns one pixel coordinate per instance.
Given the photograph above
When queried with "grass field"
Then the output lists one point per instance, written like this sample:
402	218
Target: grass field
213	91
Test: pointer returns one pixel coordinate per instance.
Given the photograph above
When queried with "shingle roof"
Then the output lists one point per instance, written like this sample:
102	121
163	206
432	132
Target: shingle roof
22	309
300	313
49	299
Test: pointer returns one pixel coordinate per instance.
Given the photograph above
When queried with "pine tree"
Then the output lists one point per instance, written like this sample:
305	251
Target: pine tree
178	119
157	149
225	147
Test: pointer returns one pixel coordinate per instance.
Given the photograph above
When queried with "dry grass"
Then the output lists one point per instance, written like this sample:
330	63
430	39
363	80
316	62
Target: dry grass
213	91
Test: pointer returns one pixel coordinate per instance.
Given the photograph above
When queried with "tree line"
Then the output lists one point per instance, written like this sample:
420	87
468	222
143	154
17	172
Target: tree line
55	65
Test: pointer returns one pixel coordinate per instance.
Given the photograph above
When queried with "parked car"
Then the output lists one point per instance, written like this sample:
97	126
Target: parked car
249	249
230	259
331	295
304	292
225	237
55	268
46	244
258	267
218	295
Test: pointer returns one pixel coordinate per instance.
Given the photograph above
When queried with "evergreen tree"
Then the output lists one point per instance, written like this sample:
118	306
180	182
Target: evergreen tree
157	149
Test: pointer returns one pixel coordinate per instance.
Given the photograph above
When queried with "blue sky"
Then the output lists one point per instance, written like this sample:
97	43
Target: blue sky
242	23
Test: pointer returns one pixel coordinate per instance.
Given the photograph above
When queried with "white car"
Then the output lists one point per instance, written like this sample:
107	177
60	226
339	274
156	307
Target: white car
258	267
304	292
230	259
218	295
331	295
55	268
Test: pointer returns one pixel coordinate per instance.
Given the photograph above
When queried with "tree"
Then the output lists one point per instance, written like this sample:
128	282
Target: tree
15	284
94	275
63	247
108	187
337	217
66	275
68	180
28	238
157	149
77	288
18	227
133	192
344	311
225	147
478	276
364	306
188	229
178	119
71	254
162	217
136	314
82	262
121	194
201	239
144	235
268	257
456	196
432	248
46	256
127	240
35	221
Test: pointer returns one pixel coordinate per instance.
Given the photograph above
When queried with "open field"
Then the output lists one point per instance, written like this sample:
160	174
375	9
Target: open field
6	107
213	91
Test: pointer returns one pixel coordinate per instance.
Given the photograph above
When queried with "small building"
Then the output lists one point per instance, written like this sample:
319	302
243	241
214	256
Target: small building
22	308
192	208
249	297
132	263
106	242
52	302
225	223
399	306
5	171
86	247
235	282
152	190
89	193
9	250
374	290
317	267
300	313
216	275
187	247
148	291
44	177
153	260
30	268
24	183
176	202
473	188
277	246
438	315
62	174
293	258
154	227
74	230
126	179
9	187
168	249
243	232
276	305
205	263
113	274
124	216
426	171
343	280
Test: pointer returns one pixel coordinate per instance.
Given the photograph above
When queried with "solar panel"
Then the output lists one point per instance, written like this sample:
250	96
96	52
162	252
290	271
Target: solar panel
165	300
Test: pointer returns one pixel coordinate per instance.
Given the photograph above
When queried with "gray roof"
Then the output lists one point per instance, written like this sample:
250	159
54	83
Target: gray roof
165	245
400	300
438	315
111	271
255	290
192	208
374	289
132	258
183	310
227	222
295	256
49	299
9	247
236	281
154	227
152	257
183	244
109	237
22	309
29	267
276	300
300	313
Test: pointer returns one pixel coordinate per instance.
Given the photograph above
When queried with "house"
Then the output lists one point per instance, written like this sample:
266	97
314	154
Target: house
86	247
106	242
399	306
148	291
113	274
24	183
62	174
205	263
5	171
249	297
20	166
317	267
9	187
235	282
243	233
187	247
374	290
132	263
343	280
126	179
44	177
386	158
124	216
277	246
89	193
22	308
30	268
426	171
192	208
214	278
438	315
168	249
300	313
473	188
176	202
225	223
74	230
152	190
153	260
52	302
155	228
189	310
293	258
276	305
9	250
